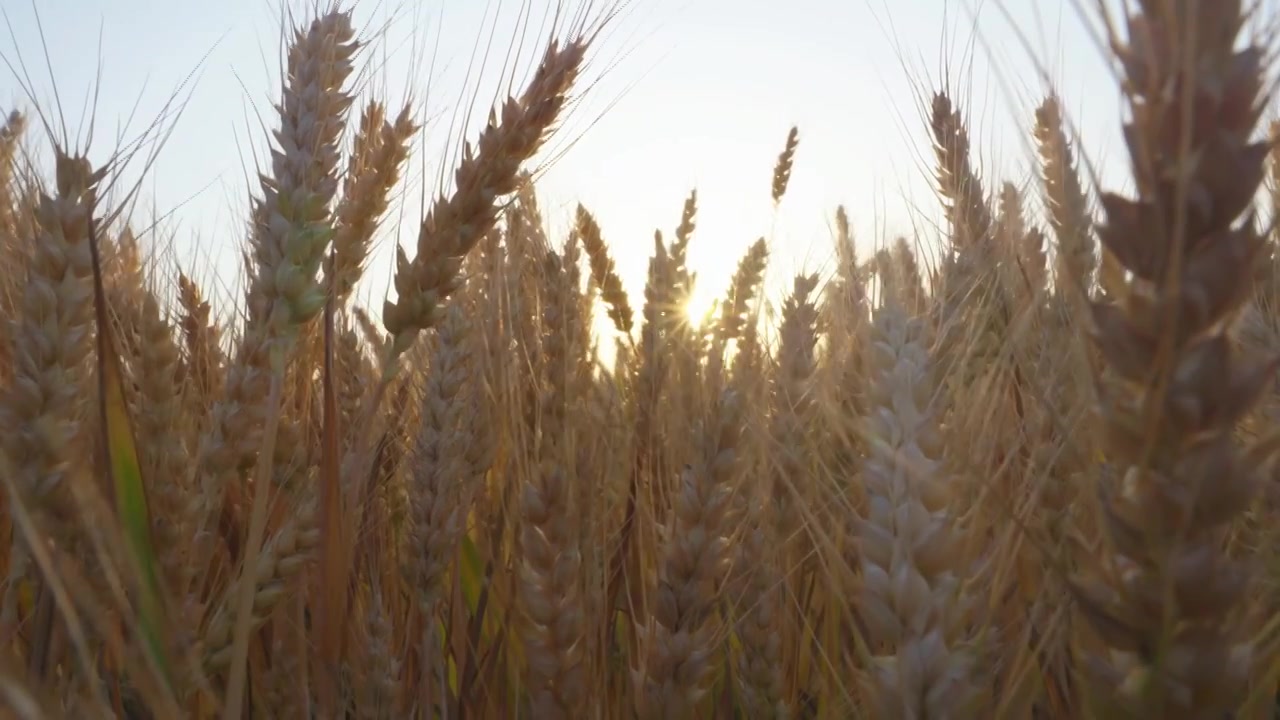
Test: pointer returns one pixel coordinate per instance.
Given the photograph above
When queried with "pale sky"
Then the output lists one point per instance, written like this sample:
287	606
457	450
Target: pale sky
702	93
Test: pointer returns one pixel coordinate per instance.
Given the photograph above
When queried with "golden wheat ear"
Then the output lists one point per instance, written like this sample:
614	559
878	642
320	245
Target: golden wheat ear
604	274
913	568
491	171
1069	211
43	409
1170	605
680	638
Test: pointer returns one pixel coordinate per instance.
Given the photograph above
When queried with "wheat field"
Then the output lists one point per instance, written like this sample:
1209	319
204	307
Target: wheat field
1030	480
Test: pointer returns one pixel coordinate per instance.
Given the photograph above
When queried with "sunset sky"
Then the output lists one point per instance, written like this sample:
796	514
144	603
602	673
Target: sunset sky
691	93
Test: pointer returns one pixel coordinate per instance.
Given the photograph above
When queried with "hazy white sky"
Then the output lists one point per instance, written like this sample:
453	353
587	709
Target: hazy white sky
695	93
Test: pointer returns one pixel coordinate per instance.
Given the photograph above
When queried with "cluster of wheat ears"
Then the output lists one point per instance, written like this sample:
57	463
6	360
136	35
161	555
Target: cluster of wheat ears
1030	481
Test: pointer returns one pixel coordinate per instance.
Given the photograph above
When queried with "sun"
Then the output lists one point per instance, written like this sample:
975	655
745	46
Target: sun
699	306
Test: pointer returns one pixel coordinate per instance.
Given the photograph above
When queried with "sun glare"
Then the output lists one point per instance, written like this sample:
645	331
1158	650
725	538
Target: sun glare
699	306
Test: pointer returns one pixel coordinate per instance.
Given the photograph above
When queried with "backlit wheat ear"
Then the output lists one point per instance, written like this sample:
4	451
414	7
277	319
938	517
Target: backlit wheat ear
845	318
760	628
792	412
1026	279
907	272
679	252
742	291
122	261
555	636
164	448
356	375
965	202
680	639
443	481
490	171
292	228
203	366
283	557
972	312
782	169
1068	205
688	220
780	508
42	408
11	132
737	311
380	152
291	233
445	465
603	273
1165	600
911	562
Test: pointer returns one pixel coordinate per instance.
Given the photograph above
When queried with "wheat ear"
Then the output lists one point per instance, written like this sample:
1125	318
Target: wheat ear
487	172
41	411
682	635
379	154
1069	213
1163	597
911	566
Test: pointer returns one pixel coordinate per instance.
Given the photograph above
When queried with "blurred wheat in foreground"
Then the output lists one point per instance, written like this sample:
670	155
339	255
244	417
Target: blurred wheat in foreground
1032	480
